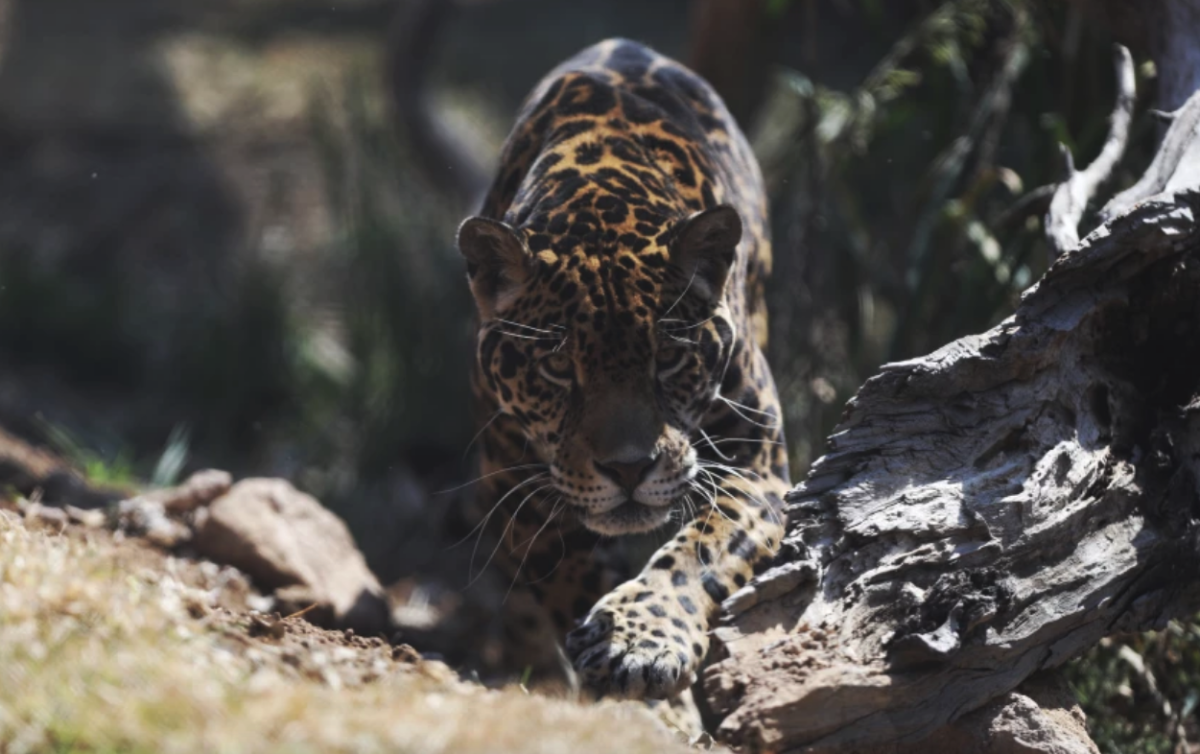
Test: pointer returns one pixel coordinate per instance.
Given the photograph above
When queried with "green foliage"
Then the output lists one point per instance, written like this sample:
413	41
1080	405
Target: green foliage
173	459
236	366
80	326
776	8
895	202
407	313
116	470
1140	692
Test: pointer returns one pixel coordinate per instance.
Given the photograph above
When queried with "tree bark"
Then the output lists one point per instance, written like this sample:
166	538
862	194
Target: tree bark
987	512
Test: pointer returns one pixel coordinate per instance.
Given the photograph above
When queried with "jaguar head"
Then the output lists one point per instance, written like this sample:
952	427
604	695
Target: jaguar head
608	352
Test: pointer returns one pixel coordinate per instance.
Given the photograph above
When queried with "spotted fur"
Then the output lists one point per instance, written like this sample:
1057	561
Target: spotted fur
617	266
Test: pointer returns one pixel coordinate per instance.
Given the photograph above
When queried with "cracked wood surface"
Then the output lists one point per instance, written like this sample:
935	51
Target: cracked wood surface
987	511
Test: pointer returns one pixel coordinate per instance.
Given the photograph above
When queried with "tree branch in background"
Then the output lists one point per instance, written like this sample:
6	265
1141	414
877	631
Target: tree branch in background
1168	169
1072	195
412	39
1032	203
987	116
732	44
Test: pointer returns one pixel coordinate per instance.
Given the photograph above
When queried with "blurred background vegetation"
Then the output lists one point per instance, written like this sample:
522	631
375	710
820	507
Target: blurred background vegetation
219	246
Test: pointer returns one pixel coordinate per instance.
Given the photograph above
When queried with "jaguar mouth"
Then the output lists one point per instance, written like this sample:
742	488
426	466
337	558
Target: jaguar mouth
627	518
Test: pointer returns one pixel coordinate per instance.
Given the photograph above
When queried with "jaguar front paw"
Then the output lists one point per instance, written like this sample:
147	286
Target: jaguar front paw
636	644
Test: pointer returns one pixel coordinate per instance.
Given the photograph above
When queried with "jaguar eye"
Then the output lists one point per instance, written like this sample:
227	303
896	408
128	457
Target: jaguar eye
669	360
558	368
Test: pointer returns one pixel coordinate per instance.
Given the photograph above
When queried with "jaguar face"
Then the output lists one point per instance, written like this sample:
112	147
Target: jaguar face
608	361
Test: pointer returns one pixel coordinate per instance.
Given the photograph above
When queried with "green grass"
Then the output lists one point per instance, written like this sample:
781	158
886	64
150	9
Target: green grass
116	470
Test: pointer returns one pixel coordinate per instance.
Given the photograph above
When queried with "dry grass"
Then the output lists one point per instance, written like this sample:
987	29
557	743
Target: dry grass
101	652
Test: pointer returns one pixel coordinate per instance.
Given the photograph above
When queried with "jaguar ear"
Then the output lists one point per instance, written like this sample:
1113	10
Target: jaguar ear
704	249
498	262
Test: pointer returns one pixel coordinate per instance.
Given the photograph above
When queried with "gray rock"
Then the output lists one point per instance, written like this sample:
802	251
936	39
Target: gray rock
286	541
199	490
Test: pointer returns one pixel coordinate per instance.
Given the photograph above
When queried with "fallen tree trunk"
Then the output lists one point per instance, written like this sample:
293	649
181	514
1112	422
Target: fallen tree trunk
988	511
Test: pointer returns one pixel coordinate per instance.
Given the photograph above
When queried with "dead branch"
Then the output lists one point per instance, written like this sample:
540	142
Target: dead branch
1169	169
435	145
1079	186
987	511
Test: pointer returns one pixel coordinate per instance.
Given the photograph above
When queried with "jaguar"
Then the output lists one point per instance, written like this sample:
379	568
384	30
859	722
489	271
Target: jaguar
617	267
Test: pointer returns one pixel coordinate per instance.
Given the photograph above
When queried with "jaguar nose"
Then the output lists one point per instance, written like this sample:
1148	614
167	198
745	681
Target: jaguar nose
628	475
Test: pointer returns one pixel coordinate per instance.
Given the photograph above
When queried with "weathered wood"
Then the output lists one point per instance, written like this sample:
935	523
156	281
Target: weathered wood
1175	165
1079	186
989	510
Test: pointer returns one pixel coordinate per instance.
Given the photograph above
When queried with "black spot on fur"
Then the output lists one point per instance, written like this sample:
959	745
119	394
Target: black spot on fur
588	154
742	546
586	95
714	587
511	360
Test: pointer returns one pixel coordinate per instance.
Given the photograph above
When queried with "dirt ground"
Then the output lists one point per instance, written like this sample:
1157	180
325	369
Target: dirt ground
109	643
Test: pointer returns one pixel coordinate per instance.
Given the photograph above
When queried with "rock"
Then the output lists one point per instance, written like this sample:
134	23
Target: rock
144	517
45	516
286	541
92	519
199	490
1040	717
152	514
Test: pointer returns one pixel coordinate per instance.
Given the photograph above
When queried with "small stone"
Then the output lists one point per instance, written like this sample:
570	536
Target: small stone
144	517
46	515
92	519
199	490
405	653
285	540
